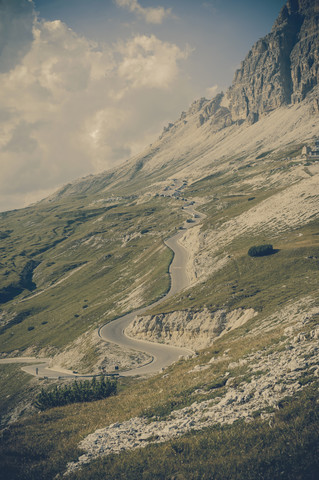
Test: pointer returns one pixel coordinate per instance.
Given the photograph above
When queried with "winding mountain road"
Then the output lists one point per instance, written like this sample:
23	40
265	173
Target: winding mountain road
163	355
114	332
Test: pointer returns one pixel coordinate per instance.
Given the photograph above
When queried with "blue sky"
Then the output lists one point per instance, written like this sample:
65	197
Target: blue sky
87	84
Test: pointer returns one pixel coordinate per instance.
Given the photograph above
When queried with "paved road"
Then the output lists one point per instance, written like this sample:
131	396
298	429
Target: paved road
162	355
39	367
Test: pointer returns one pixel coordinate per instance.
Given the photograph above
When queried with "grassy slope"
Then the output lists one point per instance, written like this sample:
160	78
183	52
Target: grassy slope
13	384
40	446
82	278
261	283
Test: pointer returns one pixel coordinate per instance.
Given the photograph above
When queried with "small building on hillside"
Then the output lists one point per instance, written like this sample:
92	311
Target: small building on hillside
311	153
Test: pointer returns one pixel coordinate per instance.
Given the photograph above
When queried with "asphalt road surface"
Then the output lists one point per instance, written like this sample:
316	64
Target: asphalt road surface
163	355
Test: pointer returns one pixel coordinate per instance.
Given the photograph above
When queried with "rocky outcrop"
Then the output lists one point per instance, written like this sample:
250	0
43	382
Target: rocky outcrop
187	328
280	69
219	116
304	56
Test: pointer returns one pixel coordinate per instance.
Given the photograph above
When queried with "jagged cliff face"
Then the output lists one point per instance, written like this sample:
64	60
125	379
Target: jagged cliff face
305	55
281	68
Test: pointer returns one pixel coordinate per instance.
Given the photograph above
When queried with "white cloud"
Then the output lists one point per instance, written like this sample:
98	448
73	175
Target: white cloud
212	91
69	107
149	62
149	14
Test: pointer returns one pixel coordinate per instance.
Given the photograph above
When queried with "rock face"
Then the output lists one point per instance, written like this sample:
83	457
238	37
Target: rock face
305	55
188	329
281	69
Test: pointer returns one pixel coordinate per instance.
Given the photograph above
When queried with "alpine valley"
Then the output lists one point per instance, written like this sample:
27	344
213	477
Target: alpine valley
237	171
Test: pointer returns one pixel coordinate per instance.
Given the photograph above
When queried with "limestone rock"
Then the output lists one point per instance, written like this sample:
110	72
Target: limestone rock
280	69
187	328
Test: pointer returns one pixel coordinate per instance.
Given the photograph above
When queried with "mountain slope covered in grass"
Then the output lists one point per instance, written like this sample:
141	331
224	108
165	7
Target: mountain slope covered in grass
244	406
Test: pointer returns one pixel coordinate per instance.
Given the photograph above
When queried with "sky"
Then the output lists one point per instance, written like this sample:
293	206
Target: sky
87	84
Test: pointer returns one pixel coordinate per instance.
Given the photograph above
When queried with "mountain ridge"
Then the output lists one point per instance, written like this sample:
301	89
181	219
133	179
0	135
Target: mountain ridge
280	71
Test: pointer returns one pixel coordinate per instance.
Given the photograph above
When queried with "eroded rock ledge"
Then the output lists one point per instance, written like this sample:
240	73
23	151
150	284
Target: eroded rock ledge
187	328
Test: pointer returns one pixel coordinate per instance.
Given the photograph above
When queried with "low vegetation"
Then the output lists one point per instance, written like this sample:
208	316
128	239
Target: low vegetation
77	392
261	250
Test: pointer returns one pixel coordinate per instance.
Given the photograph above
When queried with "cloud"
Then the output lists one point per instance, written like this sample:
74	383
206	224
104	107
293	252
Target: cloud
212	91
69	107
149	14
149	62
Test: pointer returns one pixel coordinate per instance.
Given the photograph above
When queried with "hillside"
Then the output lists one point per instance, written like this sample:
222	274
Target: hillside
95	251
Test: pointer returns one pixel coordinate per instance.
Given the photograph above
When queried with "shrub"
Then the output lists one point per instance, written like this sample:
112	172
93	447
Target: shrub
83	391
260	250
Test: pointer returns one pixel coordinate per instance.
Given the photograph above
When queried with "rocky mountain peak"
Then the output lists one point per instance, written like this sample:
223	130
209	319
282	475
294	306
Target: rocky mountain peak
281	68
